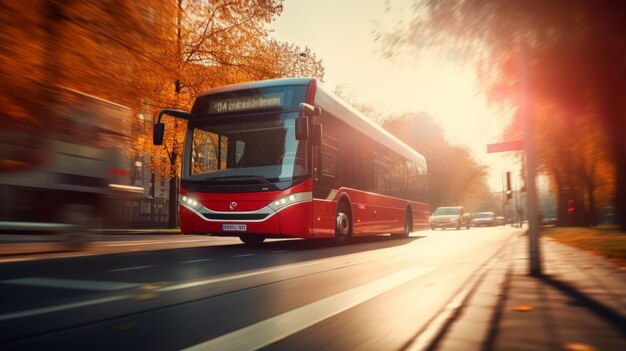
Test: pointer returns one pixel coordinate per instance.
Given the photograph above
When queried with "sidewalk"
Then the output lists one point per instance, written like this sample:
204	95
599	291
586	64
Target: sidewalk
23	244
579	304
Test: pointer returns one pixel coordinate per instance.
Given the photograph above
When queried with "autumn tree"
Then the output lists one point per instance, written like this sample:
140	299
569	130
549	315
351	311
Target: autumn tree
95	47
454	177
575	56
214	43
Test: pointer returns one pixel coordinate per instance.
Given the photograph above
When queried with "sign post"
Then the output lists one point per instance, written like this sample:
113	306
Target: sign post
514	145
534	252
535	267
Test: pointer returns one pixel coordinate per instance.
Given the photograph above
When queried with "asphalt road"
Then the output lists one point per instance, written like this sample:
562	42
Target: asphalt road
217	294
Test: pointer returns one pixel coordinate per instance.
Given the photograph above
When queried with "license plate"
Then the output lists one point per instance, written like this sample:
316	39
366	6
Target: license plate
234	227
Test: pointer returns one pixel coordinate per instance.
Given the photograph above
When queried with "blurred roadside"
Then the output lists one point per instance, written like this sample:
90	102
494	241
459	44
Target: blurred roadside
605	240
578	304
14	246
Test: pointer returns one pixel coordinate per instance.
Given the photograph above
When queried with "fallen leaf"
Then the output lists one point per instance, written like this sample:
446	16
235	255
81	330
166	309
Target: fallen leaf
143	297
576	346
523	308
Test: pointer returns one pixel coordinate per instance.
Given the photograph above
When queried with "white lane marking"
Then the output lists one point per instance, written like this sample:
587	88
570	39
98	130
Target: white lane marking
71	284
244	255
279	327
154	242
270	270
129	268
200	260
215	280
14	260
28	313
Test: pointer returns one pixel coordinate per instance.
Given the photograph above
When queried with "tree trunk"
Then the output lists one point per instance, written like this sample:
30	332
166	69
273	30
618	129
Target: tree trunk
620	191
172	221
591	214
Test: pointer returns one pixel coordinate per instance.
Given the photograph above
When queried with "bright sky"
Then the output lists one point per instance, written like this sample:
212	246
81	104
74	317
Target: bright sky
340	32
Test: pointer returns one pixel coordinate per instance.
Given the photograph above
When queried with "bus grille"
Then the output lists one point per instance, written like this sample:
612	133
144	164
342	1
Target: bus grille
235	216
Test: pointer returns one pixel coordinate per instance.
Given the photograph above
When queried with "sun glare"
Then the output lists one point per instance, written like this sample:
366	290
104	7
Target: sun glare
449	93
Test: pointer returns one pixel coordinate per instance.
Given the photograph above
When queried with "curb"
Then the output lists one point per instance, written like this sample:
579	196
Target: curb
436	330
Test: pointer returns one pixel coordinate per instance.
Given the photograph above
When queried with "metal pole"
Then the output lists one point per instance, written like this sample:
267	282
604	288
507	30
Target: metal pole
503	199
535	268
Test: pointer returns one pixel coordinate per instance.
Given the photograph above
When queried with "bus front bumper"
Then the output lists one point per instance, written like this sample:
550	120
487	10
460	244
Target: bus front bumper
292	221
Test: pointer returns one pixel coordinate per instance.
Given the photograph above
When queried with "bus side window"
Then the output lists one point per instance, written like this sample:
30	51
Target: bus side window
382	170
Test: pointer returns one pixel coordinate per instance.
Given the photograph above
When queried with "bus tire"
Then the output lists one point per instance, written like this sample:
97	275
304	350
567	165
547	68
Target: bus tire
252	240
408	225
343	222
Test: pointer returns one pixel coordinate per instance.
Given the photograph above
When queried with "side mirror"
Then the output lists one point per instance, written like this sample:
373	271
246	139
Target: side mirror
159	128
309	110
157	133
302	128
302	122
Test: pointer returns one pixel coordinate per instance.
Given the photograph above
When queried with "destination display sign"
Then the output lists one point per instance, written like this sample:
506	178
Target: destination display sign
247	103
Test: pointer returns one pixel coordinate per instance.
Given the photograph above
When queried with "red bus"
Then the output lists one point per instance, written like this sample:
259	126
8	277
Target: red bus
287	158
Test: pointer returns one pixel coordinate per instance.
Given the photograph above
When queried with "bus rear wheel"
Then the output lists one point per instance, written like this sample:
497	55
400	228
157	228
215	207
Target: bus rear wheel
252	240
343	222
408	226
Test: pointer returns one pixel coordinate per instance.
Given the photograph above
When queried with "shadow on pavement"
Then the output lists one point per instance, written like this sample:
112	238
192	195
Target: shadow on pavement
582	300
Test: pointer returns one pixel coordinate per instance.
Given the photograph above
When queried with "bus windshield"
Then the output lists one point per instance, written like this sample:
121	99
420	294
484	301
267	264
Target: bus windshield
260	145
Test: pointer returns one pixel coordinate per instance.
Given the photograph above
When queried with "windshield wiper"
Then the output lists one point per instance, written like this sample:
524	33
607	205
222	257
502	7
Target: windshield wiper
260	179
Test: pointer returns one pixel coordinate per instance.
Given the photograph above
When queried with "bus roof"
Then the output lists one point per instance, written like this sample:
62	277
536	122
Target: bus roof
337	107
342	110
258	84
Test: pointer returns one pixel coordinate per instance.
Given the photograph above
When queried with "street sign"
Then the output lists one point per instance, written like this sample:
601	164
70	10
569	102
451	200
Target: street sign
514	145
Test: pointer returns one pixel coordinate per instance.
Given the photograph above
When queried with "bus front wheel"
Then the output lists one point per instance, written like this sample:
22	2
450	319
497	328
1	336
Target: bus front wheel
252	240
343	222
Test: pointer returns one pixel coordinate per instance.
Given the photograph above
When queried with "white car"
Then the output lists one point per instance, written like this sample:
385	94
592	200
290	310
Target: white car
450	217
484	219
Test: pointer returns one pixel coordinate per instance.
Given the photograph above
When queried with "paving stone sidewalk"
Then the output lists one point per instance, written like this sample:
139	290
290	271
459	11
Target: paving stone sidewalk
579	304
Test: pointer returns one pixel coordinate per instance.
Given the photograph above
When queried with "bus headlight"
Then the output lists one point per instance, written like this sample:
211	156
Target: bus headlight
190	202
283	201
289	199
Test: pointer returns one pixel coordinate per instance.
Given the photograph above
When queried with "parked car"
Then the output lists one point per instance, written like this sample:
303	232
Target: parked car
548	221
450	217
487	219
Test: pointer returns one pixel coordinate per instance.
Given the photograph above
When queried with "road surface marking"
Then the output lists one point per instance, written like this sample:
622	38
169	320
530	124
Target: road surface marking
154	242
71	284
14	260
200	260
279	251
128	268
269	270
28	313
216	280
244	255
279	327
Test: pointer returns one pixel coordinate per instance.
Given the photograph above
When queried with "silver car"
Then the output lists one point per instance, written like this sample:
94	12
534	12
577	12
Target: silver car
450	217
484	219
